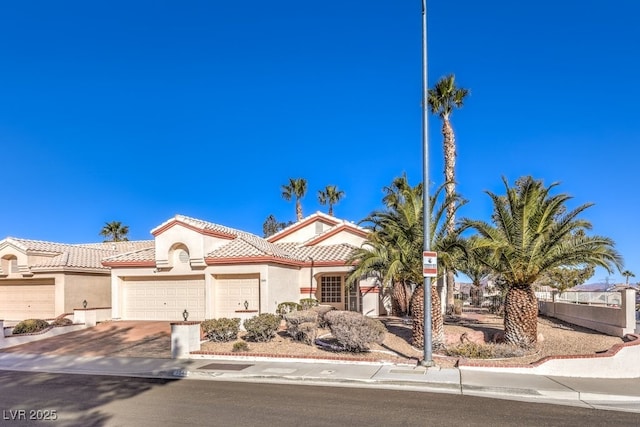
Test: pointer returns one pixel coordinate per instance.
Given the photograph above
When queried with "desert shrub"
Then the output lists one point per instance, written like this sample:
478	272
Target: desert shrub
307	303
221	330
62	321
322	310
472	350
240	346
30	326
354	331
295	322
307	332
457	307
287	307
263	327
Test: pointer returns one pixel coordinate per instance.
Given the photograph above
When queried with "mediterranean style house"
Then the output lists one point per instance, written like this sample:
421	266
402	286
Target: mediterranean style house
45	279
206	271
191	268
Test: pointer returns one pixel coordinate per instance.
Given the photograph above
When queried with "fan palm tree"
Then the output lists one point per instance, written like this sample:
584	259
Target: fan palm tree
443	98
331	196
627	274
114	231
393	252
531	233
296	188
472	266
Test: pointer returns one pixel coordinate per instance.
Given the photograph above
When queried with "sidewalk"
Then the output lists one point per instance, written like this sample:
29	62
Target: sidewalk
613	394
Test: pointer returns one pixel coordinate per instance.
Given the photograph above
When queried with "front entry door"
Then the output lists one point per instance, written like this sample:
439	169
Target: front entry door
353	298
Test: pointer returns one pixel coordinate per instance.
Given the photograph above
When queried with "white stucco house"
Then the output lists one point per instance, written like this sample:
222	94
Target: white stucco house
212	271
43	280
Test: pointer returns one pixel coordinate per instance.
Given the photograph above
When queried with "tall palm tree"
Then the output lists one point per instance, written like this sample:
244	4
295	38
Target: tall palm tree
627	274
531	233
331	196
443	98
393	252
296	188
114	231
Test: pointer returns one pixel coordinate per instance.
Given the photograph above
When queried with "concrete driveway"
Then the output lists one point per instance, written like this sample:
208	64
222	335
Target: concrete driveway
115	339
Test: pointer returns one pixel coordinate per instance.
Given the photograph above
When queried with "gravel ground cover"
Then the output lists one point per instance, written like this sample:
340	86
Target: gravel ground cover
555	338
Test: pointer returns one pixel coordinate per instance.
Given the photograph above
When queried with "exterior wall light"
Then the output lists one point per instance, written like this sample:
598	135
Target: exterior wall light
84	304
185	314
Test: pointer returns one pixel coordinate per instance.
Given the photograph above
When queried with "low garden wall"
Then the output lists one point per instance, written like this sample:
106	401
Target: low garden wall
9	340
91	316
612	320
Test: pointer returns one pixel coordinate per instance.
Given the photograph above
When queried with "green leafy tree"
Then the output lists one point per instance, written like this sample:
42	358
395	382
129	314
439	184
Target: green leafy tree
296	189
565	278
443	98
330	196
531	233
271	226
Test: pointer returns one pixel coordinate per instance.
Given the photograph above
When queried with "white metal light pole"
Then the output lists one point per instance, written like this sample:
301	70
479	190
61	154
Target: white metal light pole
427	359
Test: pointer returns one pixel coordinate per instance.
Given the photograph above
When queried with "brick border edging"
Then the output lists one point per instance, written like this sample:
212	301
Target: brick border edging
293	356
634	340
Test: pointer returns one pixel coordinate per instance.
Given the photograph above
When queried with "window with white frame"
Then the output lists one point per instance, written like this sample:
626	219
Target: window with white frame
331	289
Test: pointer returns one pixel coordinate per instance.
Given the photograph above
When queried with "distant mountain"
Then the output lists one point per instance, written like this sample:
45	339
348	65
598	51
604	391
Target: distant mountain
593	287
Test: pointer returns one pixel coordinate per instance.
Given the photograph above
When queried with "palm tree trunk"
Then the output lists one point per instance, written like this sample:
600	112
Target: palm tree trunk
399	304
298	210
521	316
437	324
449	146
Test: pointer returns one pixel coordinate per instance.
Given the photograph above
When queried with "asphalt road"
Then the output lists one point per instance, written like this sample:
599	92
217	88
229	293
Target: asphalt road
82	400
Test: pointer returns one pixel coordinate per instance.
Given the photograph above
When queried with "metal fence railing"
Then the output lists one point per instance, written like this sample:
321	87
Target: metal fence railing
609	299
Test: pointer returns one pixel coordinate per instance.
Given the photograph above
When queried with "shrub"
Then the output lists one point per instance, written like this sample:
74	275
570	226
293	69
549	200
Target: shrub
263	327
221	330
30	326
322	310
307	332
307	303
62	321
472	350
354	331
287	307
240	346
295	328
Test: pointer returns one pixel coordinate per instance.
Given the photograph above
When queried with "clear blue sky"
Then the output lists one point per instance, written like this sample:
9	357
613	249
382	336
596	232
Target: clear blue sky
138	110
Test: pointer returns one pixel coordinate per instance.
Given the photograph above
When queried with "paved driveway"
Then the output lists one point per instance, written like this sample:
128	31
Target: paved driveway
115	339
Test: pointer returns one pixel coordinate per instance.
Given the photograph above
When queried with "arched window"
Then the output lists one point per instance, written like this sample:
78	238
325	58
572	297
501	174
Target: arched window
180	256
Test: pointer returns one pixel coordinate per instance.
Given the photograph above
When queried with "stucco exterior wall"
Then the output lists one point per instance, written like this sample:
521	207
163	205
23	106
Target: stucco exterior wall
343	237
282	284
305	233
95	289
198	245
610	320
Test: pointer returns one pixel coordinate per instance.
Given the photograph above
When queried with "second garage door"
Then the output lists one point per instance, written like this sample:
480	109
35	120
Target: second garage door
154	299
234	293
22	301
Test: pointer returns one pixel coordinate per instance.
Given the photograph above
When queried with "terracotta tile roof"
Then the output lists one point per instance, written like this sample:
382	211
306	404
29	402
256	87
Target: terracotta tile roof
199	225
323	253
145	254
83	255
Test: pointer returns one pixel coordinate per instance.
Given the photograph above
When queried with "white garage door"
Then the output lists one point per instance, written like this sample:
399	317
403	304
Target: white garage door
232	293
163	299
19	302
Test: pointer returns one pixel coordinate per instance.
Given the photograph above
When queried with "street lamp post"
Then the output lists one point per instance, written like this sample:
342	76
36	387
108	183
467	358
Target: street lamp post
427	359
